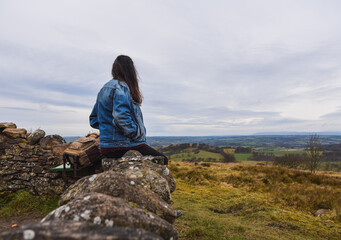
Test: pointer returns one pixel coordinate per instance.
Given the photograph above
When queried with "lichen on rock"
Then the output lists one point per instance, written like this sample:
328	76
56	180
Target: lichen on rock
103	209
117	184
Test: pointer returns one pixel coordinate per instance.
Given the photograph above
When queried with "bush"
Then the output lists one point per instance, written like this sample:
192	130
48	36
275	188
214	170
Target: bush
243	150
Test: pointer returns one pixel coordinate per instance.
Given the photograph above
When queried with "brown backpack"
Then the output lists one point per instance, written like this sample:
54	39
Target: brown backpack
83	152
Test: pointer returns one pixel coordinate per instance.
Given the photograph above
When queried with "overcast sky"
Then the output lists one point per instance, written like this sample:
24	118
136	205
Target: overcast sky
206	67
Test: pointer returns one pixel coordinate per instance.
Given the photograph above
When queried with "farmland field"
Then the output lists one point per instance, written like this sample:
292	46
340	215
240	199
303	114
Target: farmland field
186	155
242	156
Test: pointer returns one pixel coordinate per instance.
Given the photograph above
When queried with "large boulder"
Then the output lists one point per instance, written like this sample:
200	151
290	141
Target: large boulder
51	140
150	175
15	132
61	230
110	211
34	137
153	163
117	184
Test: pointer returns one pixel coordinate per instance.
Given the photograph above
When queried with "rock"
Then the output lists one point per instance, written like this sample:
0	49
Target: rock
146	173
4	125
3	138
132	153
15	132
319	212
105	210
142	162
51	140
60	230
34	137
117	184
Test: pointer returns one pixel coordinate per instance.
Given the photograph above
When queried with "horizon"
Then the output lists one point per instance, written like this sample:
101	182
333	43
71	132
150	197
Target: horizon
255	134
206	68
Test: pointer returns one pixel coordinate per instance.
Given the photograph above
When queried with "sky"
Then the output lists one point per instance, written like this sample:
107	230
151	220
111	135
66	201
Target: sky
206	67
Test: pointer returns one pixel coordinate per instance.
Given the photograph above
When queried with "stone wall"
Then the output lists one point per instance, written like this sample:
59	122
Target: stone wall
130	198
26	161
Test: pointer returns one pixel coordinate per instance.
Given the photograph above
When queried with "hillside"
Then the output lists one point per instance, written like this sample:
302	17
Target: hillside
254	141
237	201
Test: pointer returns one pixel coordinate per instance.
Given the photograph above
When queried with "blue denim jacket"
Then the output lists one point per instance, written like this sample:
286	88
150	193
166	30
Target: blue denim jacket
117	116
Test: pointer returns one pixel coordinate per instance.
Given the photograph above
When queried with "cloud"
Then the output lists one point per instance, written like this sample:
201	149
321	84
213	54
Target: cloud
206	68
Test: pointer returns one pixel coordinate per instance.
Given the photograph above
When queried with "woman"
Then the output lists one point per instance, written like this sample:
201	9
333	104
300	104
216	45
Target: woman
117	113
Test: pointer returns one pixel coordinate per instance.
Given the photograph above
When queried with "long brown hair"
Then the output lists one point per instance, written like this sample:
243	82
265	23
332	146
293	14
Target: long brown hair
123	69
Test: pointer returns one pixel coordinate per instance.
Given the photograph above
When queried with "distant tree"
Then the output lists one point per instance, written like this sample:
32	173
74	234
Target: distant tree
228	157
314	153
194	145
263	156
290	160
243	150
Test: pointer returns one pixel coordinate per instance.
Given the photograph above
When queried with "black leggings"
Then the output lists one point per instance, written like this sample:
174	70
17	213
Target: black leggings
144	150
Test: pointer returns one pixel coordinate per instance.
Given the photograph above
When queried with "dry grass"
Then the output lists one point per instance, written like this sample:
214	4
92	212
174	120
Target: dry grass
235	201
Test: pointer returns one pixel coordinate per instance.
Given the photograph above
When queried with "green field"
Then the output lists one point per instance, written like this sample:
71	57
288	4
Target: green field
187	155
242	156
282	152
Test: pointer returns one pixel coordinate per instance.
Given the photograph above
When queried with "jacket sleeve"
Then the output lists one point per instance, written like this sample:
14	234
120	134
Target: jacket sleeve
93	117
122	113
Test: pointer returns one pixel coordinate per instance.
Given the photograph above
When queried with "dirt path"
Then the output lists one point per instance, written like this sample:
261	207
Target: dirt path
6	223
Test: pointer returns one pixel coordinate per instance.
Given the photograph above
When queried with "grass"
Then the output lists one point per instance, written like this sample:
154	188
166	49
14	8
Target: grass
303	190
23	202
234	201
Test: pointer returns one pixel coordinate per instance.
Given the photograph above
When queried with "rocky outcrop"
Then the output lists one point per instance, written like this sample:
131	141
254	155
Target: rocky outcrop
117	184
147	169
110	211
25	164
